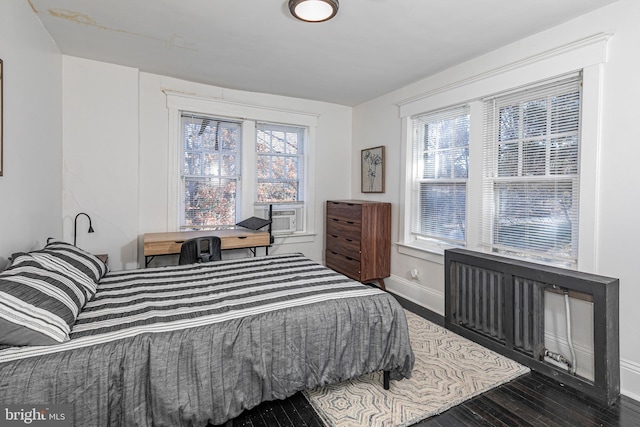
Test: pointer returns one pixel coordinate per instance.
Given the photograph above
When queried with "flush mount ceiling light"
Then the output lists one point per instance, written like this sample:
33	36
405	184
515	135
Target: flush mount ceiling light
313	10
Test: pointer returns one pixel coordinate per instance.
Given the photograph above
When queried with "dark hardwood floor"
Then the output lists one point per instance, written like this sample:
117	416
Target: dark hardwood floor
531	400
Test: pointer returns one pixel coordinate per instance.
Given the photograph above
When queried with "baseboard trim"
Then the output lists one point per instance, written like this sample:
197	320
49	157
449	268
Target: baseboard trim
416	293
630	379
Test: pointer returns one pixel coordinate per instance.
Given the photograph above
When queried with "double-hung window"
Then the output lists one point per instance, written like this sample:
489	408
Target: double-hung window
210	172
280	163
440	172
522	197
230	161
531	172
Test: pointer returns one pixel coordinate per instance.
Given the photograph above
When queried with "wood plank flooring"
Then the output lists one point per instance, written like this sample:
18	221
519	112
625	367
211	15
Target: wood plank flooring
529	401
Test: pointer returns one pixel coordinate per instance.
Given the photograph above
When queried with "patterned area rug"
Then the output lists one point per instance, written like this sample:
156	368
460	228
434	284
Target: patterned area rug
449	369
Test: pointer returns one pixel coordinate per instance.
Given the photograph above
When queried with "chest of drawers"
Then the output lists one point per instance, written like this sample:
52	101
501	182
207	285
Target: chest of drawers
358	239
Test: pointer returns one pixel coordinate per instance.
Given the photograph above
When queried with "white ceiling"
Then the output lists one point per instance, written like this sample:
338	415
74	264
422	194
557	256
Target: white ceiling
370	48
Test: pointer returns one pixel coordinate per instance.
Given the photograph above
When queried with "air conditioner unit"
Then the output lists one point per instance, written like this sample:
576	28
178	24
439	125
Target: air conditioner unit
283	221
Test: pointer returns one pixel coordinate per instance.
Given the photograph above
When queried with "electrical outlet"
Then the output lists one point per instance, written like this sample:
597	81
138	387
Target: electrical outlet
415	274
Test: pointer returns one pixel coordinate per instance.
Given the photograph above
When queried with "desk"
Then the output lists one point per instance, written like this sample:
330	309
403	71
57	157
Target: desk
232	238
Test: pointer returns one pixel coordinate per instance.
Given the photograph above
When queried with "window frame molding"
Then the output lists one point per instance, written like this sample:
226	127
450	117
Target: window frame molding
587	55
249	115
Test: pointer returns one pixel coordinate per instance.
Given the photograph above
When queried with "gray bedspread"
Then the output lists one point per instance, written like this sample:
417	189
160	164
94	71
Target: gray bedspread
191	345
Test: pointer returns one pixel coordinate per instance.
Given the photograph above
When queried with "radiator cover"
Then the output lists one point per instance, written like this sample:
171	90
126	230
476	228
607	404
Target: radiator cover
498	302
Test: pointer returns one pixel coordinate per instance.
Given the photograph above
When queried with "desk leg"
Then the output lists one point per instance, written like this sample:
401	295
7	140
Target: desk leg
147	260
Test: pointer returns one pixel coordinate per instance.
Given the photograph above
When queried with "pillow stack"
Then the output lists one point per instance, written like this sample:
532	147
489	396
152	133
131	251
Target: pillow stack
42	293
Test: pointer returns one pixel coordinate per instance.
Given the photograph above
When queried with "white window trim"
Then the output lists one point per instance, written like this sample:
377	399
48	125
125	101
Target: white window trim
587	54
249	114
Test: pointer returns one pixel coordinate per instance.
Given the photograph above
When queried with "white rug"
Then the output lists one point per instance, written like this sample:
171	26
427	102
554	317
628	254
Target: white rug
449	369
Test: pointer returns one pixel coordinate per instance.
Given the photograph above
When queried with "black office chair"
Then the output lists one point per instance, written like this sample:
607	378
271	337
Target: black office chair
200	249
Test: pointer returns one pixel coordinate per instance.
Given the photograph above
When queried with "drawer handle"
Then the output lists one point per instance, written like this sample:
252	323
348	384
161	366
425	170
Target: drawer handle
349	240
242	237
335	219
334	236
350	222
349	258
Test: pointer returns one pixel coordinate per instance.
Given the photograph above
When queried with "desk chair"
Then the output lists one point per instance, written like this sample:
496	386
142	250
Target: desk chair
200	249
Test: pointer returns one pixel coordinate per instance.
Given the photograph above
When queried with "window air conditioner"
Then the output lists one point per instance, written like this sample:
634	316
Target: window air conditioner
283	221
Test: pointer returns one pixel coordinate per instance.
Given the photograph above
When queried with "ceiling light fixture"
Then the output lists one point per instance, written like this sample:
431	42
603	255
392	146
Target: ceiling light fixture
313	10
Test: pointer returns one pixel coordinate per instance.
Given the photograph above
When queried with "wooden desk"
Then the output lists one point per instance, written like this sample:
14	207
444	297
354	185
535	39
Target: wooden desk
233	238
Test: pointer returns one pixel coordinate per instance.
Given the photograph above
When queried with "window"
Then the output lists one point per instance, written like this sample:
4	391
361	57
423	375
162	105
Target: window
522	194
210	173
440	172
280	163
230	161
531	172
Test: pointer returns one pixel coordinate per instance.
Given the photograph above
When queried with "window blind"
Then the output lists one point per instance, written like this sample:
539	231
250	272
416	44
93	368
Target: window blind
210	171
531	172
440	172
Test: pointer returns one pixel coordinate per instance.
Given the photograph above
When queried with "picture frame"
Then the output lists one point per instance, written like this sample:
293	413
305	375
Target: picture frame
372	170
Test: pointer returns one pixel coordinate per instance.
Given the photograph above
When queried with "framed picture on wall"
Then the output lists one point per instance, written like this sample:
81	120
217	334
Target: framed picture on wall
373	170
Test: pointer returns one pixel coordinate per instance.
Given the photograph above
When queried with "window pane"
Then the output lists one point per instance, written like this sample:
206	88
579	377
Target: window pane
535	216
212	164
292	166
509	123
230	136
263	169
565	113
209	202
277	167
277	142
534	118
443	210
460	160
534	154
262	142
292	143
229	164
508	159
564	156
192	164
277	192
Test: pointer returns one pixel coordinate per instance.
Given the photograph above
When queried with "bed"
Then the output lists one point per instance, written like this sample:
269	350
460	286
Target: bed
191	345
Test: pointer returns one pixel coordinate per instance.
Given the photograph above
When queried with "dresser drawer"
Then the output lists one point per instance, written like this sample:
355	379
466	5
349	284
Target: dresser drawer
348	266
344	210
342	246
346	229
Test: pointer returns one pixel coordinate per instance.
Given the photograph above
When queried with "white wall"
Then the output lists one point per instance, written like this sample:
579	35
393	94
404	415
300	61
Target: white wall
100	158
116	155
378	123
31	188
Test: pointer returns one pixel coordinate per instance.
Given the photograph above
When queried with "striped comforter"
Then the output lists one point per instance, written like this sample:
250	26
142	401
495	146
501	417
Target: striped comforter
188	345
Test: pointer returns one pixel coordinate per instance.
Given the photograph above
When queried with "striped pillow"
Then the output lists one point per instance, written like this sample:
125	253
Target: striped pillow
38	306
74	257
54	262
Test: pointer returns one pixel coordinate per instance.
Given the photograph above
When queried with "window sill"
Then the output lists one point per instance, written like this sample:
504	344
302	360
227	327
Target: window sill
294	238
427	253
